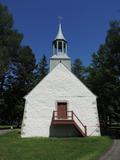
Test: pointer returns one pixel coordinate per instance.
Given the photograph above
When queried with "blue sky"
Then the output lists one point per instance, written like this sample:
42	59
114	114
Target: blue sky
84	24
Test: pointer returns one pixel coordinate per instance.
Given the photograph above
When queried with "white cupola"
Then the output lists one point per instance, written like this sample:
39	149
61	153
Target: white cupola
60	55
59	44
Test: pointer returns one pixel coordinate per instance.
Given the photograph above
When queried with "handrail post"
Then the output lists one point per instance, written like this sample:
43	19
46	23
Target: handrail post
85	130
72	115
53	115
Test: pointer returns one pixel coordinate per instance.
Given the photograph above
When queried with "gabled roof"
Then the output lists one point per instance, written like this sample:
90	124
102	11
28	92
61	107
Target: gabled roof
61	82
60	34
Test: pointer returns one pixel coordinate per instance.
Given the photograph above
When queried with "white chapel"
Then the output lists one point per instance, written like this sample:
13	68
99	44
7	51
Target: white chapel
60	105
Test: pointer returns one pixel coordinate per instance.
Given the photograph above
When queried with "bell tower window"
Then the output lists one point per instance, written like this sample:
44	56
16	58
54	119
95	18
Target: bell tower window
59	46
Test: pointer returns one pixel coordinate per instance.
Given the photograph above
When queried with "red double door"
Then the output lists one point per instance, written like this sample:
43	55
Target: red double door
62	110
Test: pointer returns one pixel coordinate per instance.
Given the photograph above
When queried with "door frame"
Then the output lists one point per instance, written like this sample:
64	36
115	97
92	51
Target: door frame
61	101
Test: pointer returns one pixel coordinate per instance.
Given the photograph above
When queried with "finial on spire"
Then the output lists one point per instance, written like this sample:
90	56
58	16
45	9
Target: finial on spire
60	19
60	34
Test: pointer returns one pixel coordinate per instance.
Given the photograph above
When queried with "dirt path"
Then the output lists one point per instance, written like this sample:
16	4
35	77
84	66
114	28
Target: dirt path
113	153
4	131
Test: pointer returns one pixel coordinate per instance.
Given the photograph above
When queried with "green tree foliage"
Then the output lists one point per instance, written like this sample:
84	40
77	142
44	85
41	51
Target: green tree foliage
79	70
17	64
9	42
24	66
41	69
104	76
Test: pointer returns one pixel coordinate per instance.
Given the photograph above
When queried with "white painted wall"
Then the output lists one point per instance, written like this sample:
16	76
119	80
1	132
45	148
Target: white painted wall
55	61
59	85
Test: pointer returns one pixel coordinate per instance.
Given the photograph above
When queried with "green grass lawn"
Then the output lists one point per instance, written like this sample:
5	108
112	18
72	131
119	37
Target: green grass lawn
12	147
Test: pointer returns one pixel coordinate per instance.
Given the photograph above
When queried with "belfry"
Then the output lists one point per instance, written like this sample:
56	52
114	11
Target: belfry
59	46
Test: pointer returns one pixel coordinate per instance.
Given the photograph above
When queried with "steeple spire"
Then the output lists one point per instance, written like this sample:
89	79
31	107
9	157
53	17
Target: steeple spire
60	33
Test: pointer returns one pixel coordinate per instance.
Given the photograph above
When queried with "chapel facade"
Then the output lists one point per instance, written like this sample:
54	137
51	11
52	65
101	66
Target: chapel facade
60	105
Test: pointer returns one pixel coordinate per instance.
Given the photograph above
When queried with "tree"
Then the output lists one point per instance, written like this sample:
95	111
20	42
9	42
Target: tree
17	65
78	69
41	69
25	66
19	82
10	40
104	76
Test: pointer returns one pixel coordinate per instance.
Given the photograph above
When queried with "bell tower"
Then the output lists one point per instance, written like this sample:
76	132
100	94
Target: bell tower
59	49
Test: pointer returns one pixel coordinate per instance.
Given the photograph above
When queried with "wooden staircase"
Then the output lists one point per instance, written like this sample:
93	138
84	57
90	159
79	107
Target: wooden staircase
71	119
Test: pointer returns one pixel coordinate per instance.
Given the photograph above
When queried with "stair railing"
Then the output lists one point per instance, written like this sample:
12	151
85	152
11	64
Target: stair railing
72	116
79	123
